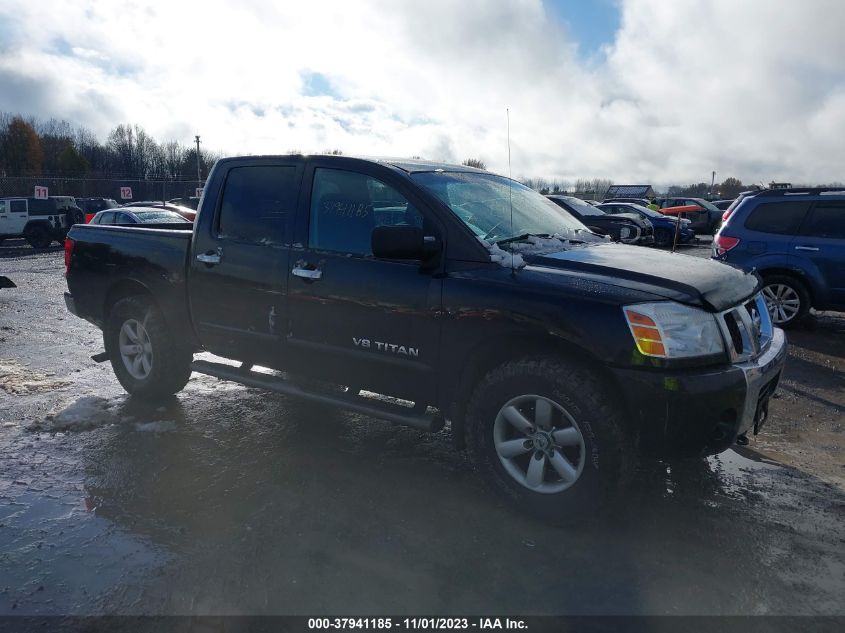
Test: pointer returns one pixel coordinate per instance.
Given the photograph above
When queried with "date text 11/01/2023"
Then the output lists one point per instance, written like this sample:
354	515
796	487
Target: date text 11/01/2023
419	623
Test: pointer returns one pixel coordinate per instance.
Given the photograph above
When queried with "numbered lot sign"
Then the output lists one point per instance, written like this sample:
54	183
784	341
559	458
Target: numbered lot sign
126	193
198	192
41	192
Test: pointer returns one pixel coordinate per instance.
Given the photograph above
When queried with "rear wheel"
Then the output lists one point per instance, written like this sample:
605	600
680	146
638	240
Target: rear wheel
544	432
787	299
147	358
37	236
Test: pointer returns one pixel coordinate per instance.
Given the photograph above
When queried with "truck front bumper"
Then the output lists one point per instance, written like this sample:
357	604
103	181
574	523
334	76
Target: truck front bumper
701	412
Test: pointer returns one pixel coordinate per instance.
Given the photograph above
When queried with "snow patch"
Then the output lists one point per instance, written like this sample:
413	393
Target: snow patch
88	412
20	380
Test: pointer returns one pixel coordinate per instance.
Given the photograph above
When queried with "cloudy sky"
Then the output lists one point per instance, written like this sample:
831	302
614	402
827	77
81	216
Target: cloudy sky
632	90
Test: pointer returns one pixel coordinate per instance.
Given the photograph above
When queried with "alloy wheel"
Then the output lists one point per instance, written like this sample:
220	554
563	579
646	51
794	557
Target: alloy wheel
539	444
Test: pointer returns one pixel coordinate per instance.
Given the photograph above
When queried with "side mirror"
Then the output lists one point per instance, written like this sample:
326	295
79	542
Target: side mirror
401	242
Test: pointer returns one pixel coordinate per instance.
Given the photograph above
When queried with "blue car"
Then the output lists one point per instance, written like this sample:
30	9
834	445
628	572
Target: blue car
664	225
795	240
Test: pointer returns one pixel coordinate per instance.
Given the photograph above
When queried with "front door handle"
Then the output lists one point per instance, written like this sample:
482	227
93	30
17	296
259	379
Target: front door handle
307	273
806	248
210	258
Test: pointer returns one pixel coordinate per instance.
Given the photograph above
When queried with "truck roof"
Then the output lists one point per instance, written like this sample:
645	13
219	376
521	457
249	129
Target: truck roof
408	165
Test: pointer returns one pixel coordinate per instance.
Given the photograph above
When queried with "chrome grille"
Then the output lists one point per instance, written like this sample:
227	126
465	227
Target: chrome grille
746	329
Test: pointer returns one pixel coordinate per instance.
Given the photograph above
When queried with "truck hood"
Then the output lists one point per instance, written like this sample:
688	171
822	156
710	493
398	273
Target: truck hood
692	280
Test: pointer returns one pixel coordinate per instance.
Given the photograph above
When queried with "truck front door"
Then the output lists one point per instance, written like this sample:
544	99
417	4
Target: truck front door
239	260
354	319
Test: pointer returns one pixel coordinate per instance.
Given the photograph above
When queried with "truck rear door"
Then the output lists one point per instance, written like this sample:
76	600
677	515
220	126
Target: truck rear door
354	319
239	260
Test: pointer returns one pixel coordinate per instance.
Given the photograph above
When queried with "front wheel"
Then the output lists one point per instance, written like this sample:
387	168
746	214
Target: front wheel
146	356
546	434
663	237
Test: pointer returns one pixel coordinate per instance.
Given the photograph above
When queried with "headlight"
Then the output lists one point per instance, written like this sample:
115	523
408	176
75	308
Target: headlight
673	330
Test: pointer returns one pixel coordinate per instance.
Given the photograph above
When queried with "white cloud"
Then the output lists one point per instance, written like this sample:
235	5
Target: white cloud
753	89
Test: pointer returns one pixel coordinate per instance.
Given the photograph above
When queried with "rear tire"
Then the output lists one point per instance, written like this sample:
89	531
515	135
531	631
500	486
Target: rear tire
787	299
544	432
37	236
147	357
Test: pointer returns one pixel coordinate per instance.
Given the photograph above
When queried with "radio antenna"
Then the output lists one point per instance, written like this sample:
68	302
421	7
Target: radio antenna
510	181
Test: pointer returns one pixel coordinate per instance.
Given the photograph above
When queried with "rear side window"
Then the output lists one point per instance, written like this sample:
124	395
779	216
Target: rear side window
781	218
258	204
827	219
347	206
107	218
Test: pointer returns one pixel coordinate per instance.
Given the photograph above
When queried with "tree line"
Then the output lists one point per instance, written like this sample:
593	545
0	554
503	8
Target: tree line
34	147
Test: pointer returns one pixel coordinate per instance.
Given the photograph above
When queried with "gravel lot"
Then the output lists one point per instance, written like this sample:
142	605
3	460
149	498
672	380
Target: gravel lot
228	500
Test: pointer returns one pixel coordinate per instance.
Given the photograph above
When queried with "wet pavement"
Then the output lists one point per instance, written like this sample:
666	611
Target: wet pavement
229	500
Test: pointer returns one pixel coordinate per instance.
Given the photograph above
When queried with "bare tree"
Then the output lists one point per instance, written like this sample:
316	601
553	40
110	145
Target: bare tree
474	162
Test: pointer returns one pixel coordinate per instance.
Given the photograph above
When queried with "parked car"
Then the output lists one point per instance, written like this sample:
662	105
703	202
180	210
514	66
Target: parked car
795	240
39	221
664	225
185	212
559	358
704	215
137	215
192	203
91	206
643	201
723	204
627	228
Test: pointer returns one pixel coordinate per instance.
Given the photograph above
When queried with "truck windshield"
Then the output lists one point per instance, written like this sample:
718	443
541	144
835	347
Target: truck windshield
484	201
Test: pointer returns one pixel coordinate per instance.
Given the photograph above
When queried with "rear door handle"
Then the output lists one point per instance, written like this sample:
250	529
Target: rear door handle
210	258
307	273
806	248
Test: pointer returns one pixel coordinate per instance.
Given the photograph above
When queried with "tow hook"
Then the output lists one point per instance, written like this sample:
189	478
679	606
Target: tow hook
742	440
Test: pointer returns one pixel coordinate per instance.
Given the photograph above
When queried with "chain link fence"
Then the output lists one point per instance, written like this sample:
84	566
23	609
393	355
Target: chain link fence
149	189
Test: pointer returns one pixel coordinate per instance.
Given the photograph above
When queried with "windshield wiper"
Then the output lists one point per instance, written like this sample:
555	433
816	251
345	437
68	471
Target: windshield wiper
523	237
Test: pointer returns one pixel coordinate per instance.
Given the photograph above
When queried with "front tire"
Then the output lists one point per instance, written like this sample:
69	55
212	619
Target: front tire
663	237
147	357
545	433
787	299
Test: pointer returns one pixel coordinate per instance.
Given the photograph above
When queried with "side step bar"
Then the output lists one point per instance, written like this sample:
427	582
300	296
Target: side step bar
431	422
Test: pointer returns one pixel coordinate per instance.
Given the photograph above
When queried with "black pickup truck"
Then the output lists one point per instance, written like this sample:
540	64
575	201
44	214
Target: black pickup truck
423	293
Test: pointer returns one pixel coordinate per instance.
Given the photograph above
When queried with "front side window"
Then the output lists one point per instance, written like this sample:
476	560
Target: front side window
17	206
496	208
258	204
107	218
346	206
781	218
827	219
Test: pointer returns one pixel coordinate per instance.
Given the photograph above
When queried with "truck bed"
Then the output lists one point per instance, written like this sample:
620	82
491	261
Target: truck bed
111	260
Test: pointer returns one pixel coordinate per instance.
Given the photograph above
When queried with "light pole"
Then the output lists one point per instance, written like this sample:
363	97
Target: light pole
199	176
712	182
